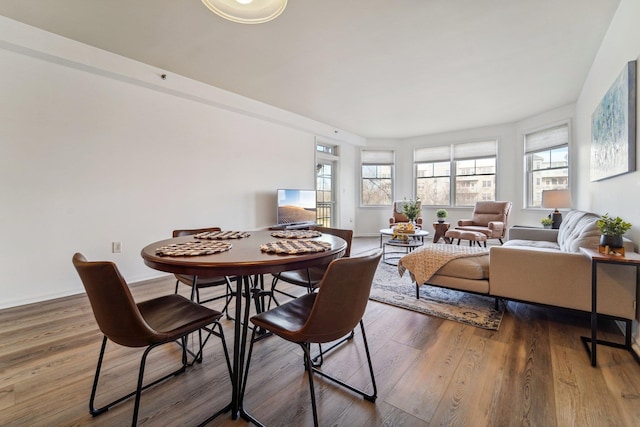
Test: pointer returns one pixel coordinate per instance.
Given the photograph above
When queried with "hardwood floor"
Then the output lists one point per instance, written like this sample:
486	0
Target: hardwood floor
533	371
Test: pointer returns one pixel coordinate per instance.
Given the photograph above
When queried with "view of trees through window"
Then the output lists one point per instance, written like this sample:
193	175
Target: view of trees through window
377	185
456	175
377	177
433	183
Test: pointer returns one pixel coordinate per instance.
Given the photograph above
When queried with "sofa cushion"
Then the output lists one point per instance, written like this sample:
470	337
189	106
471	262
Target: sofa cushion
474	268
578	229
543	244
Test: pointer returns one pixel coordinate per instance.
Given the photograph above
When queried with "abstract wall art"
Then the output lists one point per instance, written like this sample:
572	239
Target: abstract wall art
613	128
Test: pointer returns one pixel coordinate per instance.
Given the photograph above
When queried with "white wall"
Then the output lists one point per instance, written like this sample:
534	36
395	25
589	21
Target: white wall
97	148
510	184
618	195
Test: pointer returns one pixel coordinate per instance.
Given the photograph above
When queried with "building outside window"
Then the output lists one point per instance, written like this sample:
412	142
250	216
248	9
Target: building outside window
473	178
546	162
377	177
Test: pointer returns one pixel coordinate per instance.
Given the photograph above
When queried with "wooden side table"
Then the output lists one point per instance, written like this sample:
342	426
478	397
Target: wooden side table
440	228
630	259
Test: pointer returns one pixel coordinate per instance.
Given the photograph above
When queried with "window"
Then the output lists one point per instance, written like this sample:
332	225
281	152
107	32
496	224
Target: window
433	175
326	178
327	149
546	162
473	178
377	177
324	192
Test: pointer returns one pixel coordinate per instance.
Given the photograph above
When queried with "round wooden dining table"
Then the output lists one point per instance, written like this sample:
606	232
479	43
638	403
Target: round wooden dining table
244	260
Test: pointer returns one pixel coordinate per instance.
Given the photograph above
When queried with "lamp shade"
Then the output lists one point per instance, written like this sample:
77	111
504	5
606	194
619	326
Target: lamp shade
556	199
247	11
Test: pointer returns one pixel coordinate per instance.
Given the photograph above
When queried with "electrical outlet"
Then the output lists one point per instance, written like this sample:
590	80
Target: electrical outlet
116	247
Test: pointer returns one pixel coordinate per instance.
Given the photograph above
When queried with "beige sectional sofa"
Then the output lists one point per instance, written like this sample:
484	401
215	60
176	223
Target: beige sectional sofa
545	266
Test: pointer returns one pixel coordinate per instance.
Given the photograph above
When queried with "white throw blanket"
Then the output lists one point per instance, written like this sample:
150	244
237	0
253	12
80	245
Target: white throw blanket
424	262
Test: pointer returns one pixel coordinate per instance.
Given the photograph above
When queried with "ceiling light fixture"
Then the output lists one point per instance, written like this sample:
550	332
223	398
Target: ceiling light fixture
247	11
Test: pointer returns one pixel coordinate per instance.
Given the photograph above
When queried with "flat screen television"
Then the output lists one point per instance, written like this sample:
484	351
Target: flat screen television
296	206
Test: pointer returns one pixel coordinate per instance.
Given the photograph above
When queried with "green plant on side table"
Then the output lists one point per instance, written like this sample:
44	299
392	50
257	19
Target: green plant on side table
546	222
411	209
441	214
612	230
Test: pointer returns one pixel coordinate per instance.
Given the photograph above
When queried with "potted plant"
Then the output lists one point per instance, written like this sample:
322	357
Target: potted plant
546	222
612	230
411	209
441	214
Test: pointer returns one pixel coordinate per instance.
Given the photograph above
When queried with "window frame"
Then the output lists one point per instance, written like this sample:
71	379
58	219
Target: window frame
531	173
378	158
457	152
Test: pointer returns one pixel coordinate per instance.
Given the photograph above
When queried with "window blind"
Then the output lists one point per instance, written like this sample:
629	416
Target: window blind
547	138
474	150
377	157
432	154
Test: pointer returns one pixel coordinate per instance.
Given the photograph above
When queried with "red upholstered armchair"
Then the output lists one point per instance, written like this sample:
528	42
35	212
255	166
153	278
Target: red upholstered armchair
398	216
489	218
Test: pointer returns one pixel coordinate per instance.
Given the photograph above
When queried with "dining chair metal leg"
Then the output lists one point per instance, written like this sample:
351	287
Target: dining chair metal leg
195	289
139	388
92	409
306	348
228	297
246	369
219	334
274	282
370	397
318	359
195	294
143	361
311	369
97	411
243	413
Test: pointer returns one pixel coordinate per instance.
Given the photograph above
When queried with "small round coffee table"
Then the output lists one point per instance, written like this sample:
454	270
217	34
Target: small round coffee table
417	234
393	257
413	241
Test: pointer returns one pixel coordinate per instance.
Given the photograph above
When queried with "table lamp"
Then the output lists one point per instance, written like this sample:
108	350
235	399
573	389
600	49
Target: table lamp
556	199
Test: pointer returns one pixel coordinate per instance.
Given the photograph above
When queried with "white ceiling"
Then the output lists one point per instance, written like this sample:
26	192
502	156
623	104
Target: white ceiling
377	68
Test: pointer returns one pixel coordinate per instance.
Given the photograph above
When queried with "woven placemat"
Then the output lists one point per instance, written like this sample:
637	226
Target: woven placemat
293	247
296	234
193	248
221	235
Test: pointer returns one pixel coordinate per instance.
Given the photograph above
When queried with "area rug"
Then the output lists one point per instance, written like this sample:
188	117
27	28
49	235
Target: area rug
471	309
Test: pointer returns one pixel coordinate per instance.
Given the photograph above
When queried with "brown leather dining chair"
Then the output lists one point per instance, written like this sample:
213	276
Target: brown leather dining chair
197	283
145	324
310	277
324	316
